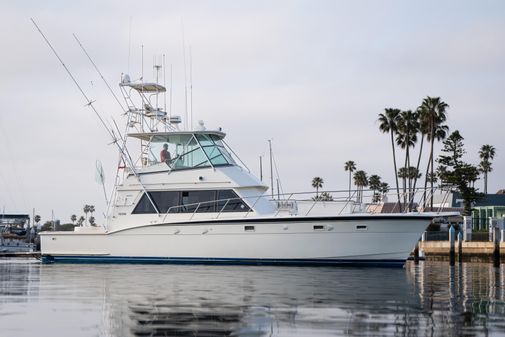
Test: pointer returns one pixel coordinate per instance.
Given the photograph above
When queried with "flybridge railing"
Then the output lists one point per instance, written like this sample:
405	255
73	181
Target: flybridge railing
356	201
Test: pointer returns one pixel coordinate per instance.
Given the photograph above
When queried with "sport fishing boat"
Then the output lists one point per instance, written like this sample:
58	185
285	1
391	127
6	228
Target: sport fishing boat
188	198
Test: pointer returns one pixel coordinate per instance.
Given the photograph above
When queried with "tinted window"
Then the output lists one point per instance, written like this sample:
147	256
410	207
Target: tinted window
230	201
144	206
191	199
166	200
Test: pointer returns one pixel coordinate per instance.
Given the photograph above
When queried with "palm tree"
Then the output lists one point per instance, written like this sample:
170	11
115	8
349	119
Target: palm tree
486	153
351	167
325	196
80	220
436	115
387	122
375	185
91	209
360	180
73	218
37	219
92	221
317	183
384	189
424	129
86	210
408	126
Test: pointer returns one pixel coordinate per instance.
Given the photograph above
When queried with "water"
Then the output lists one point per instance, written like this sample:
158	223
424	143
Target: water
429	299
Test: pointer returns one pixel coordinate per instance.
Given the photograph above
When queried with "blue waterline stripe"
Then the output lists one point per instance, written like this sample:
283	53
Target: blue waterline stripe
219	261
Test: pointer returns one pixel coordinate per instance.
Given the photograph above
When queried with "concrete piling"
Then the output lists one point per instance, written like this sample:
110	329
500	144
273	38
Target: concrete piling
452	251
460	247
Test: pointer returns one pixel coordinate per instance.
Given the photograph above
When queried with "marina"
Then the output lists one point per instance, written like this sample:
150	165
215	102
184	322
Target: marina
253	168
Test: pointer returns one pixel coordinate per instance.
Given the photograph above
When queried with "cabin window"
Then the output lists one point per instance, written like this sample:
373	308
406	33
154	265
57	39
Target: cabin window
229	201
319	228
203	201
361	227
166	201
144	206
188	151
249	228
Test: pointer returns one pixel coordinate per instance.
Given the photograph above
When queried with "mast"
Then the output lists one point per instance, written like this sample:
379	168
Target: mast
261	168
271	168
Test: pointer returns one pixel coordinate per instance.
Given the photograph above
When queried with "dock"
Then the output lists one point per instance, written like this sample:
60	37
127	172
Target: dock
20	255
471	251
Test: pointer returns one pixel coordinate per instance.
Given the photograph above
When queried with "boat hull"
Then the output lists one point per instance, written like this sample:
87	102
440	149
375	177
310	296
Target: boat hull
367	240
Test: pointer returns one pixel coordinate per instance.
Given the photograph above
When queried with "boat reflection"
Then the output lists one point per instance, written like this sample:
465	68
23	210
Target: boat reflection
429	299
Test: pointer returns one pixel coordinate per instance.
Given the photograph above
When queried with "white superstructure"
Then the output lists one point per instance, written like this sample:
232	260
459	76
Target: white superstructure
185	199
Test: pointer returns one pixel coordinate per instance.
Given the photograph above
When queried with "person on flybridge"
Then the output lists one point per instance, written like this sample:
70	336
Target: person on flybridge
165	155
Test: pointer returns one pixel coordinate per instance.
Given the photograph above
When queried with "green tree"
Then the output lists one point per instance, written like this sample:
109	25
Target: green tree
80	221
453	171
374	183
387	124
86	209
384	189
317	183
486	153
361	181
408	126
325	196
436	115
73	218
92	221
37	219
351	167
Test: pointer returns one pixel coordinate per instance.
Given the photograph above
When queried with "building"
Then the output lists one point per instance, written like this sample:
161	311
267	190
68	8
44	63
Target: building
490	206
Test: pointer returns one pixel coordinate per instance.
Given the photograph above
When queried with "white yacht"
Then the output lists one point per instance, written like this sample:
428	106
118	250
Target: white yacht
188	198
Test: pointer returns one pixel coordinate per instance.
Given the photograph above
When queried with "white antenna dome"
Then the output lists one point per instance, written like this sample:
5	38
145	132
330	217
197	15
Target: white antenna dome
201	126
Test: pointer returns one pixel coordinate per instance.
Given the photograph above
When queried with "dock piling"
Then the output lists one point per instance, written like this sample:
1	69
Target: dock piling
460	247
452	239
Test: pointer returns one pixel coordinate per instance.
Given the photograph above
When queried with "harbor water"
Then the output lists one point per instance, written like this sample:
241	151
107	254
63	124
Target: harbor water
429	299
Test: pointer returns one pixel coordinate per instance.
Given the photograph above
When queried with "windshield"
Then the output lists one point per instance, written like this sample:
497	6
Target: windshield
187	151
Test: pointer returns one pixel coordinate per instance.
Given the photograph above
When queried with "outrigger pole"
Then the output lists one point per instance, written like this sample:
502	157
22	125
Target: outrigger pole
126	157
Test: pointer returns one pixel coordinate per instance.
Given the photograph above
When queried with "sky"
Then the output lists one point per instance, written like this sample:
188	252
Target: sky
312	76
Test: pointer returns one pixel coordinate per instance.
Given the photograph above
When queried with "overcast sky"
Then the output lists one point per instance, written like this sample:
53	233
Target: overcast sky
311	75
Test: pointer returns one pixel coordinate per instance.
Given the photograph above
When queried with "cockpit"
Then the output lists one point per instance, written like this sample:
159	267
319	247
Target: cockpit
186	150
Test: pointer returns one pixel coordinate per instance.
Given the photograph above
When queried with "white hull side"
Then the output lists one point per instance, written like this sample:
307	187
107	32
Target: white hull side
340	240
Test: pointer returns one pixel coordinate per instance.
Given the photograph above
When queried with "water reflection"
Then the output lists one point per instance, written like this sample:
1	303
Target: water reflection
429	299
